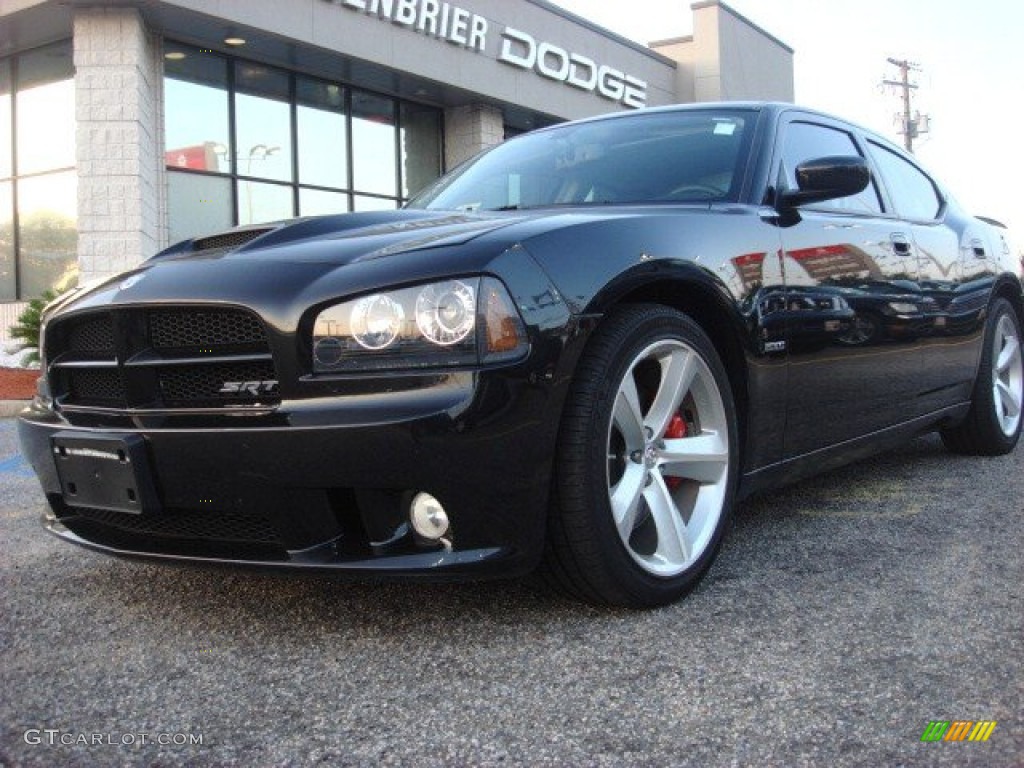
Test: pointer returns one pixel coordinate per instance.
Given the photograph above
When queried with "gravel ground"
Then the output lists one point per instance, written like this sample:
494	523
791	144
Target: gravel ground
843	615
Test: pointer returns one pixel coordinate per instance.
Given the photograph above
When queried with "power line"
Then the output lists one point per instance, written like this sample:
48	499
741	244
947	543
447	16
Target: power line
911	124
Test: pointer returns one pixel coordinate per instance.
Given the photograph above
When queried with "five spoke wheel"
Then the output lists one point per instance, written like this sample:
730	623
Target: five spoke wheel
647	462
993	423
665	485
1007	377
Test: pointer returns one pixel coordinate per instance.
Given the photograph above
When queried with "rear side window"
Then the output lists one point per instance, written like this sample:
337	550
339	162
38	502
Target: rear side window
810	141
912	192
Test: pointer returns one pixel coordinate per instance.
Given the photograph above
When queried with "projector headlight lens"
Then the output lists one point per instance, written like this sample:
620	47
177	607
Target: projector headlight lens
458	322
376	321
446	312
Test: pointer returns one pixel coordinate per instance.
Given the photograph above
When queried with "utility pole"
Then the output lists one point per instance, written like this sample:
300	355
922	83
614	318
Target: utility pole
912	124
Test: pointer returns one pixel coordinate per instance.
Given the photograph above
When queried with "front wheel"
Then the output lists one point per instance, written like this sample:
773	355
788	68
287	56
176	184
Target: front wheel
993	425
646	465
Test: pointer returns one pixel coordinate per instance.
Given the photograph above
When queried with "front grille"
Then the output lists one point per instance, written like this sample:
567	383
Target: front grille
134	358
102	386
93	334
202	385
188	524
177	329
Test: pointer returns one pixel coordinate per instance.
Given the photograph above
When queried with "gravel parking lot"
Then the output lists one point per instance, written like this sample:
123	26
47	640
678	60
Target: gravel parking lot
842	616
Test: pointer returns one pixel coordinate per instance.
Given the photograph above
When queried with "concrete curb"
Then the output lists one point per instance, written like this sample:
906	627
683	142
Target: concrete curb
10	408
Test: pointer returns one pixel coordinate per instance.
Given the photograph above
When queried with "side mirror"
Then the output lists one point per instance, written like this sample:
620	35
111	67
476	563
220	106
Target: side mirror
827	178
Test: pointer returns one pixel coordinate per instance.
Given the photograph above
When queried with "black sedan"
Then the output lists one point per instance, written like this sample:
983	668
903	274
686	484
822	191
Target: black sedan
575	352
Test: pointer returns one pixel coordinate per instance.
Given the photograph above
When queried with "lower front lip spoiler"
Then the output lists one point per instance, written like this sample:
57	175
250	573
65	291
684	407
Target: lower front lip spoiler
322	557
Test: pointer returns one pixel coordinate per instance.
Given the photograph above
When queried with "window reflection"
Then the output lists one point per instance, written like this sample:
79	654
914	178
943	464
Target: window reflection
262	122
47	232
196	112
373	144
258	202
197	204
323	134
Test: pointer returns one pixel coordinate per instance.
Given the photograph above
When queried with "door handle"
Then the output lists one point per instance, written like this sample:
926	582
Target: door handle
900	243
979	249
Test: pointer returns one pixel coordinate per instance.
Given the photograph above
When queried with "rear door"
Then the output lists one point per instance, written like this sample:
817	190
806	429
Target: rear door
849	257
956	277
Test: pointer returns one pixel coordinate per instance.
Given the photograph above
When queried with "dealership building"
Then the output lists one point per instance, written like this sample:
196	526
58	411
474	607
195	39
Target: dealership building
128	125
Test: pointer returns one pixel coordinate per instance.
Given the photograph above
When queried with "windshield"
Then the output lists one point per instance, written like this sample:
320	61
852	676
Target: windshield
685	156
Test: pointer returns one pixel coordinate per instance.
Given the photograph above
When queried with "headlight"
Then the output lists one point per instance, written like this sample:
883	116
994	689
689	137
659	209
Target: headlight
464	321
903	307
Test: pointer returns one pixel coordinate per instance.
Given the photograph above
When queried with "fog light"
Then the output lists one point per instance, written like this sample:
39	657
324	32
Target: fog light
428	517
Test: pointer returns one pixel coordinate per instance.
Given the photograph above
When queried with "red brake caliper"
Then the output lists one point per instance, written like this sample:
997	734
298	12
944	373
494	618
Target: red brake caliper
676	429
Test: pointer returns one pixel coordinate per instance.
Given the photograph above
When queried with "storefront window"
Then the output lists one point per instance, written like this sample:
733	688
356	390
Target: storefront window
47	232
258	202
367	203
319	202
323	133
196	111
38	199
6	145
263	146
198	203
8	273
46	111
373	144
301	145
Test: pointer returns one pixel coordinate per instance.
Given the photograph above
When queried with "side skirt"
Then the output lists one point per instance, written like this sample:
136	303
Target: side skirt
824	459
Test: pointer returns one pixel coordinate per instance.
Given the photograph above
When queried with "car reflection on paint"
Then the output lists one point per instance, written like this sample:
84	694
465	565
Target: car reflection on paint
798	319
889	311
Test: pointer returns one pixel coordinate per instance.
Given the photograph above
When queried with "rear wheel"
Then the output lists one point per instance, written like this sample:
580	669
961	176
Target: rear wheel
993	424
646	465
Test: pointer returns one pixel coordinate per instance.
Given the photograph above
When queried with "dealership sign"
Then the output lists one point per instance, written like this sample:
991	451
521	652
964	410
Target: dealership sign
513	47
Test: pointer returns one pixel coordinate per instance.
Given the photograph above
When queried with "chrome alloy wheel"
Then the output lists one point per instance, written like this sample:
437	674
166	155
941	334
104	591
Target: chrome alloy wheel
1007	376
667	491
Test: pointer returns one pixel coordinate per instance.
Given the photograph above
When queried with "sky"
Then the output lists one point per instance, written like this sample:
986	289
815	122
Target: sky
971	81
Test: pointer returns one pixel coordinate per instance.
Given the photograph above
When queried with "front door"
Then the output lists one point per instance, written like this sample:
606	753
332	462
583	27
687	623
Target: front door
849	265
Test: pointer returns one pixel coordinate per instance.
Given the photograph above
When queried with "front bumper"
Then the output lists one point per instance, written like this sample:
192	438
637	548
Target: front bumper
326	483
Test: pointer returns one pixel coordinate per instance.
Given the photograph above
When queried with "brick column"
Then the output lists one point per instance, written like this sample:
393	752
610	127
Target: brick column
470	129
122	217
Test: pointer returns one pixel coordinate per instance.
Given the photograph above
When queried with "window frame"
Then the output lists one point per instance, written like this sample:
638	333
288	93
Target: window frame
879	172
786	120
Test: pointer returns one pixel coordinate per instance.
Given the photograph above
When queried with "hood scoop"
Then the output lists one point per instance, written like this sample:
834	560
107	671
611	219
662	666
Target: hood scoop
227	241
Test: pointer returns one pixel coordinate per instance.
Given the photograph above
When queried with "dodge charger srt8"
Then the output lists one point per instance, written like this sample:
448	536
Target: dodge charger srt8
575	352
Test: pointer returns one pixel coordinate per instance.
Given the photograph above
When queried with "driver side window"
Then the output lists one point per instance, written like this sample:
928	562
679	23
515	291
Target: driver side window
809	141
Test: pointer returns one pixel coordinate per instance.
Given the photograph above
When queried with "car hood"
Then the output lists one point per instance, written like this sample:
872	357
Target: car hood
344	238
278	267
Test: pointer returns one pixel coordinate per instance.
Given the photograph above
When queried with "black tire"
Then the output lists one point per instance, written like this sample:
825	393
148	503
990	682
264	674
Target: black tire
983	433
864	331
586	556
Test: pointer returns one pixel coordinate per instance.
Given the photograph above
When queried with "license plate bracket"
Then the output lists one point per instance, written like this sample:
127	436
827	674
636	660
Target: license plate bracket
108	472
